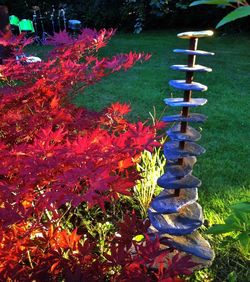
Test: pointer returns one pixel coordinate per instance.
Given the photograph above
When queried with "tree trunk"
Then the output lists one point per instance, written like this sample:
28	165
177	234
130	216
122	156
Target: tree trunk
4	27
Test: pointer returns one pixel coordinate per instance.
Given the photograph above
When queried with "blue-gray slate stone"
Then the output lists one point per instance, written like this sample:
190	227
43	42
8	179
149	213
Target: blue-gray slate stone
168	202
179	102
183	85
195	68
193	244
193	52
191	134
169	181
181	170
186	221
173	152
191	118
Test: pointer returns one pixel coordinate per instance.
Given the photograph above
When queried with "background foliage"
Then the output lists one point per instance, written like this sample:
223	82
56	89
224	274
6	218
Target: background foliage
130	15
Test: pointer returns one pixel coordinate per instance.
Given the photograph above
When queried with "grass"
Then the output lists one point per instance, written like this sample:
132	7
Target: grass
224	169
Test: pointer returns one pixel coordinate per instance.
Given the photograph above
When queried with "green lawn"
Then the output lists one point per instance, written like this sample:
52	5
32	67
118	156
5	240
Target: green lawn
224	169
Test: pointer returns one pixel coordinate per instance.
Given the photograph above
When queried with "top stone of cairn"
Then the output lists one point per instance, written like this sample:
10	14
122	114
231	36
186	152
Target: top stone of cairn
195	34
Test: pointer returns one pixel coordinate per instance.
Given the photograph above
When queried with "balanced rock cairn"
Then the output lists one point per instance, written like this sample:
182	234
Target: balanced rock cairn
175	214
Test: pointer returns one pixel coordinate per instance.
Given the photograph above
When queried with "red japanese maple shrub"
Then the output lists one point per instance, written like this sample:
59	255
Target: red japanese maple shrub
60	164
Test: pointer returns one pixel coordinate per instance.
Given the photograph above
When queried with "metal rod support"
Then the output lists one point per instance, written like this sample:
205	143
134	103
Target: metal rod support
193	43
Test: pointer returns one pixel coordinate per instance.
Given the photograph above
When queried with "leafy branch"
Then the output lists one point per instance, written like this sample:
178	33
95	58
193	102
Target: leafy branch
241	9
239	223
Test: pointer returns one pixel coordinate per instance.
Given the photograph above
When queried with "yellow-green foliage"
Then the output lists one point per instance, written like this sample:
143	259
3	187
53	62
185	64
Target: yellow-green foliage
151	167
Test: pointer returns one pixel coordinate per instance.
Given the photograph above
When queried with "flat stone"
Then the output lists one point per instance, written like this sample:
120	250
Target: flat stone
153	232
191	118
168	256
193	53
173	152
33	59
193	244
182	85
195	68
191	134
169	181
178	170
186	221
195	34
203	253
200	263
167	202
179	102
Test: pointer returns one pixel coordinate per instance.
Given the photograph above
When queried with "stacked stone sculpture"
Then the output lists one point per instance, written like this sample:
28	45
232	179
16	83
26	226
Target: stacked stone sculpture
175	214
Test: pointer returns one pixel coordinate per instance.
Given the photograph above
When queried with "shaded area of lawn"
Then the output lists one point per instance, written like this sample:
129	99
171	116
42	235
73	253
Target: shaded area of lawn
224	169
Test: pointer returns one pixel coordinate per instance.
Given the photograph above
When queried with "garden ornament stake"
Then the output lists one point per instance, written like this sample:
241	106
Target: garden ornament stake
175	214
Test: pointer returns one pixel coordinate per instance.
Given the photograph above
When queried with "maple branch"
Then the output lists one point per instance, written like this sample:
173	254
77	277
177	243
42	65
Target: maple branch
46	210
68	209
30	109
30	261
74	92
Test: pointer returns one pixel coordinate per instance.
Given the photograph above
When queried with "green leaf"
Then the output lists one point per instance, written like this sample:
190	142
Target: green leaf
242	206
212	2
244	218
238	13
232	277
244	240
139	238
234	221
221	228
